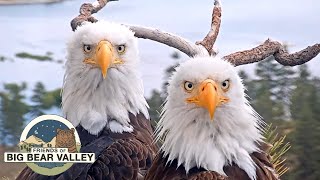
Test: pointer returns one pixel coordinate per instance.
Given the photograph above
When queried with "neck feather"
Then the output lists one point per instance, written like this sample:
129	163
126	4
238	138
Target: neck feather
94	102
195	141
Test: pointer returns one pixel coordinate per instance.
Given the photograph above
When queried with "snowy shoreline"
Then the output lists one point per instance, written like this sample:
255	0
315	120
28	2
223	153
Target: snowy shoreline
21	2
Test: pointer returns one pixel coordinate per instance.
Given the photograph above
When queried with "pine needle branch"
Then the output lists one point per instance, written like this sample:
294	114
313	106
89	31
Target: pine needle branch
278	149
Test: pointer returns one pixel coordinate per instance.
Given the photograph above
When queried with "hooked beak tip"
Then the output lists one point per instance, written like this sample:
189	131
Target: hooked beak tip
211	114
104	76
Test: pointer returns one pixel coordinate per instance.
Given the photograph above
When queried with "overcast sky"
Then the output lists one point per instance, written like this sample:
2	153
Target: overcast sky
245	24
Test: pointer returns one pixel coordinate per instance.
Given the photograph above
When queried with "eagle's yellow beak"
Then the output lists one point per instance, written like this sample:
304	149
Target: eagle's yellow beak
208	95
103	57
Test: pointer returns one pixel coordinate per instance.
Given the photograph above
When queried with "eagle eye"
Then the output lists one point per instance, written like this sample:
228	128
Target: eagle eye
87	48
188	86
225	85
121	49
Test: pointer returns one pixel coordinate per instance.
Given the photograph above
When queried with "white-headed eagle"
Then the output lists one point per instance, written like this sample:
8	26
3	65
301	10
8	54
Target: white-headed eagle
210	131
103	98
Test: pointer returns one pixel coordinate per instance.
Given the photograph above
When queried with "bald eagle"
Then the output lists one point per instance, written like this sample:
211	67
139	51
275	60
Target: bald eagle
210	131
103	98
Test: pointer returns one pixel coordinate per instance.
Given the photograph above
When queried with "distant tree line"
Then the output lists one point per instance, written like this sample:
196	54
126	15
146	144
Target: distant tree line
15	112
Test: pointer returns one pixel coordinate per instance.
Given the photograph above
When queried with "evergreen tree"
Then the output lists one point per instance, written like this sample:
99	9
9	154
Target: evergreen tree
168	72
51	99
38	93
306	137
265	101
284	82
158	97
248	84
44	100
316	108
13	109
155	102
300	93
272	90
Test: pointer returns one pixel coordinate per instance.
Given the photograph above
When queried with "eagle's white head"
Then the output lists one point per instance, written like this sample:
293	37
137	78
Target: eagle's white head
102	84
207	121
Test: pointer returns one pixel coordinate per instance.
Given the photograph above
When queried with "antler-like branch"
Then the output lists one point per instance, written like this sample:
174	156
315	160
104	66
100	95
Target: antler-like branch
200	48
211	37
169	39
269	48
86	10
205	47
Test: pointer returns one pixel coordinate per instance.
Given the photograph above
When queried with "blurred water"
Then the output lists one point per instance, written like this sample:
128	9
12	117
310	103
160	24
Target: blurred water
39	27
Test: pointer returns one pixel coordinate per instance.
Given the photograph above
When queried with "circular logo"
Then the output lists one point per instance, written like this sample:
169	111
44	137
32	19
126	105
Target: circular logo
50	142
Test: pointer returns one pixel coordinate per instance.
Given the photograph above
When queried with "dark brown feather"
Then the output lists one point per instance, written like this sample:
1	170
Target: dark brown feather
125	157
160	171
208	175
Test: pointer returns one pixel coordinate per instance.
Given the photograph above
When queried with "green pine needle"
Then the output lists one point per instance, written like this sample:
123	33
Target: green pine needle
278	149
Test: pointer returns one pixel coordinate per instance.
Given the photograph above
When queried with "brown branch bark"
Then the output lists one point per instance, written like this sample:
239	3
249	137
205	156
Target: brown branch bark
86	10
210	39
205	47
190	49
169	39
276	49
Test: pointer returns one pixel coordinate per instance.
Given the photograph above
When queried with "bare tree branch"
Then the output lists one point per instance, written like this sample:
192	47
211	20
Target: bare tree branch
211	37
269	48
205	47
86	10
190	49
171	40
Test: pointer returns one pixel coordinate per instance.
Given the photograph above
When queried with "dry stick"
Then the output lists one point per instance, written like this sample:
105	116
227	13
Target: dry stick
211	37
169	39
205	47
269	48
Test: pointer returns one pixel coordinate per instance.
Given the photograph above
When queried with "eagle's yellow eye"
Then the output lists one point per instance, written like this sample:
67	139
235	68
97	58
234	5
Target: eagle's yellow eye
121	49
188	86
225	85
87	48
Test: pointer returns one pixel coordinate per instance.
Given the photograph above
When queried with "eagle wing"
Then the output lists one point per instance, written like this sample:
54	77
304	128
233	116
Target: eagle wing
264	169
160	170
118	156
